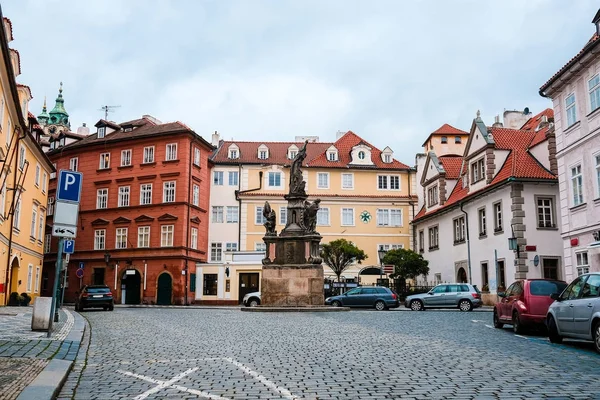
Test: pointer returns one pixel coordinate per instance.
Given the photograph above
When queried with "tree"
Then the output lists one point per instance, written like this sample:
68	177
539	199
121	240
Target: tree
339	254
407	264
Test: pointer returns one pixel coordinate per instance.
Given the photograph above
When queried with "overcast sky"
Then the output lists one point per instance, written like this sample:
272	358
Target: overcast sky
391	71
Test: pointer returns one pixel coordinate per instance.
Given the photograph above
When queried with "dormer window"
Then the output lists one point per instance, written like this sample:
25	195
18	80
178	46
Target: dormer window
101	132
332	154
263	152
478	170
457	140
361	155
387	155
387	158
233	152
292	152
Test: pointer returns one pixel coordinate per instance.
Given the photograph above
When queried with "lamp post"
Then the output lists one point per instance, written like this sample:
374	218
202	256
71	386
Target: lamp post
381	253
106	258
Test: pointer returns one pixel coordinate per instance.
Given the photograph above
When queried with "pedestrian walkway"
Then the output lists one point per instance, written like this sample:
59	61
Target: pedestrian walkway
28	359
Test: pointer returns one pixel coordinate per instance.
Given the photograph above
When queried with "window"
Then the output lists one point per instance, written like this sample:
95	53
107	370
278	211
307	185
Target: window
457	139
47	243
217	214
104	161
166	235
41	221
323	180
459	230
143	236
485	277
391	182
37	175
145	193
36	287
260	219
17	213
591	288
571	110
598	173
323	217
387	158
74	164
583	267
274	179
44	182
196	156
148	155
260	246
101	132
594	89
210	285
125	158
444	139
194	239
169	192
99	239
389	217
233	178
332	155
347	216
282	215
263	154
34	221
53	174
293	154
196	195
361	155
218	178
432	196
233	154
50	204
577	183
171	153
482	224
29	277
421	241
347	181
545	211
478	170
22	158
216	251
231	246
388	247
497	207
434	238
121	242
232	214
124	196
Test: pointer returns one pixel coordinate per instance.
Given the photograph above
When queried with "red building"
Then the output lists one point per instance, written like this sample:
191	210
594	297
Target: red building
142	218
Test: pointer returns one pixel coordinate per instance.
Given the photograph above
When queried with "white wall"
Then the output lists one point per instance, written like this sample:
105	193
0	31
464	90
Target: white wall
222	196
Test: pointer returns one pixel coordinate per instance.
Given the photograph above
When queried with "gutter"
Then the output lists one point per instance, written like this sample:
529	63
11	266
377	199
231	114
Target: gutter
468	241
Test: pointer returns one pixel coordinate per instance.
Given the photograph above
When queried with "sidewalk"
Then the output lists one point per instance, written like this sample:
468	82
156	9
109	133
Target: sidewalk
33	366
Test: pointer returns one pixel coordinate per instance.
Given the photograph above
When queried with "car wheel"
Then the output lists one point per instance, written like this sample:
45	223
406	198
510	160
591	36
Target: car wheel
416	305
105	308
465	305
497	323
553	331
336	304
253	303
516	322
110	308
596	336
380	305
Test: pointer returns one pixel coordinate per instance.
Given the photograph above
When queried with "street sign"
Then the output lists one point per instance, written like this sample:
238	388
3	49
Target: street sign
69	186
69	246
388	269
79	273
67	231
66	213
81	264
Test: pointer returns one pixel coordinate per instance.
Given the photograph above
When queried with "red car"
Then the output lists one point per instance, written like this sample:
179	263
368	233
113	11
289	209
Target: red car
525	303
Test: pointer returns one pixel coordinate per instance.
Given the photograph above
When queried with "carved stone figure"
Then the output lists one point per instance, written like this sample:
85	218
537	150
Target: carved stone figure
310	214
270	219
297	184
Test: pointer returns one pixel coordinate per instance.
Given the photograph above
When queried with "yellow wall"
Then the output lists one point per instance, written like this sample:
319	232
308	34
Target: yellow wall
451	147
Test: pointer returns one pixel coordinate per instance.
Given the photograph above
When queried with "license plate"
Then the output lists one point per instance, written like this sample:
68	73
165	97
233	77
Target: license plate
97	295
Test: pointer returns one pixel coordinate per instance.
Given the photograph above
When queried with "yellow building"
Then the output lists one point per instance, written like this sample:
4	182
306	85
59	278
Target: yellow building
446	140
24	175
367	196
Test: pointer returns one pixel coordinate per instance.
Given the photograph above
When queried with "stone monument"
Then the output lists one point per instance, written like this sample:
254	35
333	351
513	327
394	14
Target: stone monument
292	274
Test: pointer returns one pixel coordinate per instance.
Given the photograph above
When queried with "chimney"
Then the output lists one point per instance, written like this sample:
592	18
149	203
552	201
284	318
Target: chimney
596	21
497	123
83	130
152	119
339	134
215	139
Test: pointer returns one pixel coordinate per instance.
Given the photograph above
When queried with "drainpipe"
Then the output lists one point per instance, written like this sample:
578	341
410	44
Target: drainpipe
237	197
468	241
187	221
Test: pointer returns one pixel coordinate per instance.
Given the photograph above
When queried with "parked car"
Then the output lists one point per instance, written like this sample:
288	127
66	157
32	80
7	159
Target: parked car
525	303
380	298
95	296
576	311
251	299
448	295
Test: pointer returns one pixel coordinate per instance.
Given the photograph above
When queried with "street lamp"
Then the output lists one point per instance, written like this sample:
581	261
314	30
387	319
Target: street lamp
106	257
381	253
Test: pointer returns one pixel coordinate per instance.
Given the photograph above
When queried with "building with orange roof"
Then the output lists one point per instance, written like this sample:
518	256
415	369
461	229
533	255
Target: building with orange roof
367	197
504	185
575	94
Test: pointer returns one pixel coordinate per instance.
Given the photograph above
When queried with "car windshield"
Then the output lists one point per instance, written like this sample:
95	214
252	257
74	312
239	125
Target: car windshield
97	290
546	288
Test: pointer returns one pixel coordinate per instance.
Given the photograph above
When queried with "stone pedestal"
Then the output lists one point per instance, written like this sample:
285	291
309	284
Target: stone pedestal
292	285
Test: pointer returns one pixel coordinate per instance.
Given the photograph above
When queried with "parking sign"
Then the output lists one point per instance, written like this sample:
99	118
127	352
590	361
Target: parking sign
69	246
69	186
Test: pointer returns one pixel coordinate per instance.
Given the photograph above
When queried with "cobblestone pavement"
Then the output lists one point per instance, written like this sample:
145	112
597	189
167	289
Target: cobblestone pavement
228	354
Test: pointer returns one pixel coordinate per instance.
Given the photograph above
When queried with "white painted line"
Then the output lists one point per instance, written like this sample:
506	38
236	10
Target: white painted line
284	392
165	384
477	320
489	326
522	337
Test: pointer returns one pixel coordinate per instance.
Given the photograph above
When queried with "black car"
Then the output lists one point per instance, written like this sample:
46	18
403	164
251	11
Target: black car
378	297
95	296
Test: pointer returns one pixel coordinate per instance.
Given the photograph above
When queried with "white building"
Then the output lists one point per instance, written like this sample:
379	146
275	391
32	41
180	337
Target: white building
501	187
575	93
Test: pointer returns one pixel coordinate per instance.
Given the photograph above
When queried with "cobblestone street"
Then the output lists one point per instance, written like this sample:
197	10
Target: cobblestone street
227	354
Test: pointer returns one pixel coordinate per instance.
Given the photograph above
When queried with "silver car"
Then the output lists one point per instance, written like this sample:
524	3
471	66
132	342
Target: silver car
448	295
576	311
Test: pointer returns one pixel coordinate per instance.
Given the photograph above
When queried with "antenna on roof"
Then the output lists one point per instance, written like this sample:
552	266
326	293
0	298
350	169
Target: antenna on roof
107	109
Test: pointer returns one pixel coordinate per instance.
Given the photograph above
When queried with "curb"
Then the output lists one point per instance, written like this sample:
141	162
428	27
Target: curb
47	385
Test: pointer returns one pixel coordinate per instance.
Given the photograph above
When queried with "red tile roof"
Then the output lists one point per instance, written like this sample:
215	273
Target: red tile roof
533	123
451	164
594	40
445	129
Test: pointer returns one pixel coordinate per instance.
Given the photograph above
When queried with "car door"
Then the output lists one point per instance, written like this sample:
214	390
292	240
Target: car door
352	297
504	304
367	297
435	297
564	307
583	307
515	295
451	297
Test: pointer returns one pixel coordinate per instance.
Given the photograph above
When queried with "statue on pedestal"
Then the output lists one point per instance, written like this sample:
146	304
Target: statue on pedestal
297	184
270	219
310	215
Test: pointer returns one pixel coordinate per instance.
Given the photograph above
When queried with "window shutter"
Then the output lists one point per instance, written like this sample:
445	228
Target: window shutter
192	282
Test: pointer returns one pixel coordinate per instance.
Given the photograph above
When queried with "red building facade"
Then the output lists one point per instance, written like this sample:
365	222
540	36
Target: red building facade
142	218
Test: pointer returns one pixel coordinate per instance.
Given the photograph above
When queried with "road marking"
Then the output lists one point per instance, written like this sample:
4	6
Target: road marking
477	320
522	337
489	326
284	392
